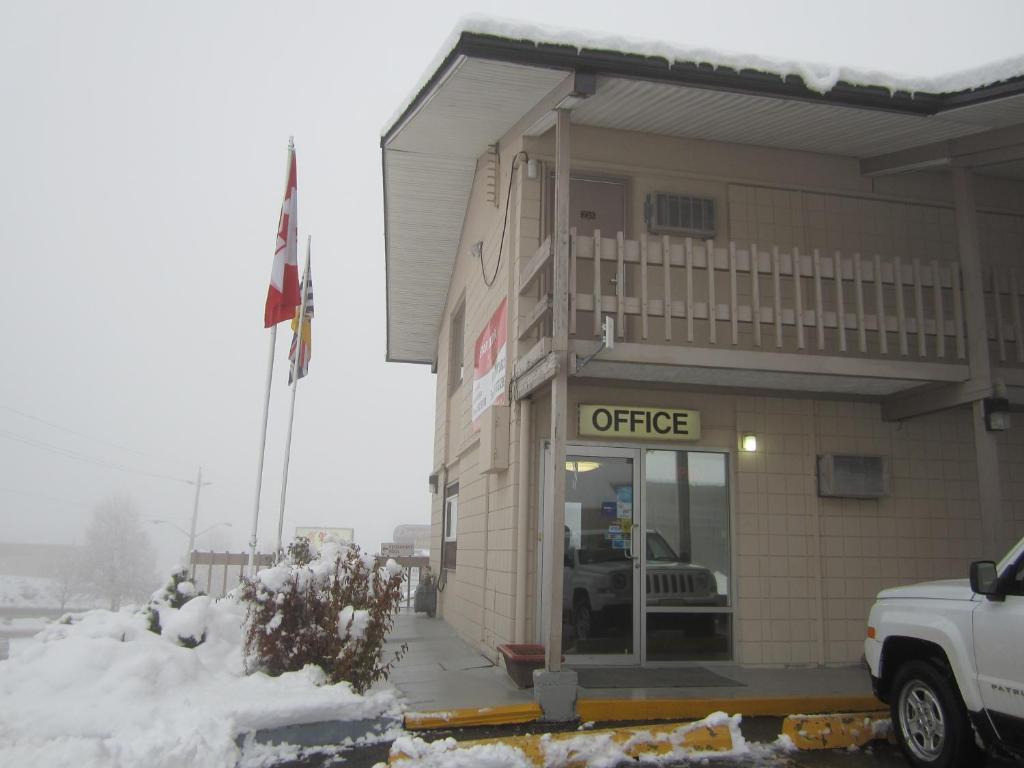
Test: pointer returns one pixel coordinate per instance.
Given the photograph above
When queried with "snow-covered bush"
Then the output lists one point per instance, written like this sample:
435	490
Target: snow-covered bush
165	607
334	612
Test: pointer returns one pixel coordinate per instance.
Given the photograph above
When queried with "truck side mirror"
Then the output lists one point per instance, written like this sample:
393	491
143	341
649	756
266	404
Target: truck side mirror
985	579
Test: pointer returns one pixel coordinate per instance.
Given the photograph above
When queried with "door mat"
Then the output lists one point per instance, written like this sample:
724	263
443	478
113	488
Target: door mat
631	677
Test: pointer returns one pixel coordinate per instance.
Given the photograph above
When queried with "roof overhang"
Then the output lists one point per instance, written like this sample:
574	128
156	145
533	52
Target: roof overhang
484	84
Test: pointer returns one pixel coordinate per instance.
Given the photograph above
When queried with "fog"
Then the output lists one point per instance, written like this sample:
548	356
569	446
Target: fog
144	157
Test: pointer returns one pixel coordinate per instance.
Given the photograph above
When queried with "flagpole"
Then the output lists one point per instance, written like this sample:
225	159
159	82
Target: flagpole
295	386
266	400
263	447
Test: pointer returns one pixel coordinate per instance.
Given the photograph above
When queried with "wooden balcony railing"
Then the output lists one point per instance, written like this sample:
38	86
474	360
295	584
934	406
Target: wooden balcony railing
666	290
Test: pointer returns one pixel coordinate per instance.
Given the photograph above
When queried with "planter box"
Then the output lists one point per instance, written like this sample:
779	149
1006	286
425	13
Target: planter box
520	661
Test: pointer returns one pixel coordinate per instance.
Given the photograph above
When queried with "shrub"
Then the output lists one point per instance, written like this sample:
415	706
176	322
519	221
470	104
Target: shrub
334	611
174	594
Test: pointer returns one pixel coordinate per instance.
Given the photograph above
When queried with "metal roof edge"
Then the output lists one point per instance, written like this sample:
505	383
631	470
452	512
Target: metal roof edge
655	68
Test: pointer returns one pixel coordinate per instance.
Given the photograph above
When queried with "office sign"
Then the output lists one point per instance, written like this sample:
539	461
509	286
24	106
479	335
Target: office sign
489	364
634	422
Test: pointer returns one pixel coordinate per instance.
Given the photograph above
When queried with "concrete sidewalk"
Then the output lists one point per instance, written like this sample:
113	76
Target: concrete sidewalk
441	672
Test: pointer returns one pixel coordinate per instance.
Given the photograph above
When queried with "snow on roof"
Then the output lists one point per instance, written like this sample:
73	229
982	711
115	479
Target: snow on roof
818	77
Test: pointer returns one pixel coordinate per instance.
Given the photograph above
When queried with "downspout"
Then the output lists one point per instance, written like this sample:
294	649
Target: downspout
489	652
522	519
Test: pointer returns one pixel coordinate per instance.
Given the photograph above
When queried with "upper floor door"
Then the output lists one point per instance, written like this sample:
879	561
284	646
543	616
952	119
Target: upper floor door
595	203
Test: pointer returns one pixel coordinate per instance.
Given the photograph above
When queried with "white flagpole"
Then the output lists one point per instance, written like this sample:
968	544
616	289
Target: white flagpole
295	386
266	410
263	447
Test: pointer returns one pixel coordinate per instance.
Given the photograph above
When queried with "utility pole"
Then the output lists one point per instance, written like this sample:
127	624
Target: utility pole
198	482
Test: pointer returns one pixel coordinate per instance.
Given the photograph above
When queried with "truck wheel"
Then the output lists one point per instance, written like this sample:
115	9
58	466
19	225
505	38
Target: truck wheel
930	720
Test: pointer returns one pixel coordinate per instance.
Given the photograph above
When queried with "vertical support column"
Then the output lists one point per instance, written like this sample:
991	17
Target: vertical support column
986	450
553	536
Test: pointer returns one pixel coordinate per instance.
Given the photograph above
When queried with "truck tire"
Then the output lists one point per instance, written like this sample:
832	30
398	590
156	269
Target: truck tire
930	720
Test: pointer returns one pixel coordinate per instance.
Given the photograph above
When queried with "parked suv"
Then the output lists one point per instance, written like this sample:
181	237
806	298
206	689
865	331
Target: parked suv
598	587
948	657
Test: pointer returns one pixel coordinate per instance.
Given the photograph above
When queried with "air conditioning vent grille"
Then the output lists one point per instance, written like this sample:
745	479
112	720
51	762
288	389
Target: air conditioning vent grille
853	477
669	213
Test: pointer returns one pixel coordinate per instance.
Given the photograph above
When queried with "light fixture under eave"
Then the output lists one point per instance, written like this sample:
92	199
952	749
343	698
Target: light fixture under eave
748	443
581	466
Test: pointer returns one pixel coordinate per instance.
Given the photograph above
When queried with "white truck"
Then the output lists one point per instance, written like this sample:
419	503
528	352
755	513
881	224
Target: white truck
948	658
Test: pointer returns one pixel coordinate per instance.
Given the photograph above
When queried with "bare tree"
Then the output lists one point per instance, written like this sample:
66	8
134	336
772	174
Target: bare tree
118	559
66	576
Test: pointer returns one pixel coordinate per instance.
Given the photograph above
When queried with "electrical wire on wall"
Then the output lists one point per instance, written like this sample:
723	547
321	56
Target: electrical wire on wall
501	244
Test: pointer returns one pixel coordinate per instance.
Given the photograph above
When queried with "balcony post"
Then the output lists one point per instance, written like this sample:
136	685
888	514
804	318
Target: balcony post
553	535
986	450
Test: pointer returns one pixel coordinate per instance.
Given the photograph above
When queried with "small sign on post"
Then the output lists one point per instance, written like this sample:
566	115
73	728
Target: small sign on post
393	549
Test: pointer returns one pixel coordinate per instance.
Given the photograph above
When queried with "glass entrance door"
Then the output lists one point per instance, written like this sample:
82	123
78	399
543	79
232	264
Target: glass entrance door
647	560
601	564
687	557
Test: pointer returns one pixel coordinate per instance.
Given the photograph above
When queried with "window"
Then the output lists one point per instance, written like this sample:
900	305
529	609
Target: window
457	350
449	546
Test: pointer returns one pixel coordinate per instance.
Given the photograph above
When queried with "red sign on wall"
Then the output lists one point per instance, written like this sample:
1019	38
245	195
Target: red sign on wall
489	363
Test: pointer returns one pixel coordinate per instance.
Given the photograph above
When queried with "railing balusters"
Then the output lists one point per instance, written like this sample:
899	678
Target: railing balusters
901	315
689	289
598	309
620	287
643	286
733	319
709	250
777	296
958	310
666	265
858	283
798	299
1018	332
881	322
1000	340
940	315
572	280
819	311
755	292
922	347
837	276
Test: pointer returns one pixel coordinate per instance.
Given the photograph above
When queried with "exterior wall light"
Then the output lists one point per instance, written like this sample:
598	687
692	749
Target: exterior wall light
748	443
997	414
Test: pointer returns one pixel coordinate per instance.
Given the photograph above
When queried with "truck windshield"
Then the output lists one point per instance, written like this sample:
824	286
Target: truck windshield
659	549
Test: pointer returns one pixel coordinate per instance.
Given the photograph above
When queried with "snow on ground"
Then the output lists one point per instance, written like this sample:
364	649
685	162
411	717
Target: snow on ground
593	749
36	592
105	691
27	592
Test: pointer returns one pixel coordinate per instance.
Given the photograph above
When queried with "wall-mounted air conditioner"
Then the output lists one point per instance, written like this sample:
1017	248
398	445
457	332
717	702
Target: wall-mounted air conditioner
853	477
670	214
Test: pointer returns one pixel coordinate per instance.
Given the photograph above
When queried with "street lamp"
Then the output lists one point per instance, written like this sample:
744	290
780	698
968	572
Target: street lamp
192	535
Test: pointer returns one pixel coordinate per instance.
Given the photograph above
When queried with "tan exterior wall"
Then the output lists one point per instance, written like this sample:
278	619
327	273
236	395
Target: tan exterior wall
807	568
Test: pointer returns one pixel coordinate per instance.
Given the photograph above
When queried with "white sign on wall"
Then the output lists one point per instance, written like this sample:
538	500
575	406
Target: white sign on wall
393	549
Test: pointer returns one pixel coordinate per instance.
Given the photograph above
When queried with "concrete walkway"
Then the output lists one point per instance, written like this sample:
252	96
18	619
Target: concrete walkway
443	672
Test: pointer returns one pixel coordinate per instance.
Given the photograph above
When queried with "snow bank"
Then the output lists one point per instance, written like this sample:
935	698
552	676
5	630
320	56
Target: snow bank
818	77
104	691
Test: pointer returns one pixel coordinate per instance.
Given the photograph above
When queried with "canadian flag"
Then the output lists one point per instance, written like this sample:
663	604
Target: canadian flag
284	295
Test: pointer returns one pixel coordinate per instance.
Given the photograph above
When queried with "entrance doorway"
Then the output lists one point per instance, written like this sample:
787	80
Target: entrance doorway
647	556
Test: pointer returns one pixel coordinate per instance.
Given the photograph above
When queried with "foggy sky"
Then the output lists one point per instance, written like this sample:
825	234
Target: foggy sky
144	157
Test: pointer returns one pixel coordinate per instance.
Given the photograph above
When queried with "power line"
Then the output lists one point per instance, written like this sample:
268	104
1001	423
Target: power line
90	437
44	496
77	456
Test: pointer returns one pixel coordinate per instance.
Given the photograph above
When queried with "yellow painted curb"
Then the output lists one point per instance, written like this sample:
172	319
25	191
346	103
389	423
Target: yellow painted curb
464	718
838	731
634	742
619	710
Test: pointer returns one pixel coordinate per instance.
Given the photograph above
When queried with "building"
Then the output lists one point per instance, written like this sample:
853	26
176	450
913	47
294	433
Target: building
823	414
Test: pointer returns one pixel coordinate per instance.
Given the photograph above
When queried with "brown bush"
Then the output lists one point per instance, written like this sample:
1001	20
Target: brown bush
334	612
